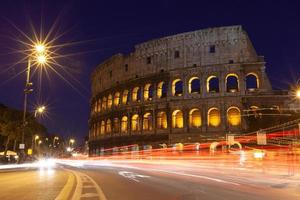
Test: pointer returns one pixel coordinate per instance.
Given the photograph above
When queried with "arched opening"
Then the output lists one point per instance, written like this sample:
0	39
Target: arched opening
148	92
116	125
117	99
99	105
135	123
177	119
194	85
136	94
177	87
124	124
214	117
252	82
212	84
108	126
162	122
104	103
102	129
109	101
161	90
234	116
232	83
98	129
125	97
147	122
195	118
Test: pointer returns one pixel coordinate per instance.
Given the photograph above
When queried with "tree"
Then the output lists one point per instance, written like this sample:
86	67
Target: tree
11	126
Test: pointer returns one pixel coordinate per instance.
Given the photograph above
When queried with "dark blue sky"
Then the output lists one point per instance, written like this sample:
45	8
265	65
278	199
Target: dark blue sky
116	26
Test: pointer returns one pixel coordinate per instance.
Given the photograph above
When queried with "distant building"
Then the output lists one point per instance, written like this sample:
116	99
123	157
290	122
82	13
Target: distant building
188	87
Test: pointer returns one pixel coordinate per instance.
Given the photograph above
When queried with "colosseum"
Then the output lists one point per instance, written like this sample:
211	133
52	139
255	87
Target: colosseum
189	87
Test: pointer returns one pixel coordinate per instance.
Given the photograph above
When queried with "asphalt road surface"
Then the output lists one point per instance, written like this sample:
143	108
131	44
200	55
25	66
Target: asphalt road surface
227	177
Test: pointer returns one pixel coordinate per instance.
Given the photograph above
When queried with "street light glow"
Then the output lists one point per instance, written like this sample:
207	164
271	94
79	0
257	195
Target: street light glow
41	59
40	48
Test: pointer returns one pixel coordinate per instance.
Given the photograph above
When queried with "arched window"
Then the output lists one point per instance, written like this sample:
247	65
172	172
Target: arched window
195	118
177	87
98	129
177	119
147	122
161	90
124	124
136	94
108	126
234	116
232	83
116	125
102	129
161	119
214	117
109	101
252	82
148	92
117	99
125	97
94	107
99	105
194	85
135	123
212	84
104	103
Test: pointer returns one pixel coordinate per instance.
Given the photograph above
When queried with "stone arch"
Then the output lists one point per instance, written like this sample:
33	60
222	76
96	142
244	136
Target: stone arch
136	94
177	119
124	124
162	122
194	85
234	116
161	89
117	99
109	101
195	118
147	121
148	92
252	81
135	125
102	128
108	126
116	125
213	117
212	84
232	82
99	105
104	103
177	87
125	97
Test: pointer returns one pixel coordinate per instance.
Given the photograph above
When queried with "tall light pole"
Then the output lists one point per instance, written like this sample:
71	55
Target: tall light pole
40	58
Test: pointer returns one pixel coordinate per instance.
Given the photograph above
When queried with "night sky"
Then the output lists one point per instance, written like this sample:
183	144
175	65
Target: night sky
104	28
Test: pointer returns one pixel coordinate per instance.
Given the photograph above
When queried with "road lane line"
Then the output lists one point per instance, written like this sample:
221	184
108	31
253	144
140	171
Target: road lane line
65	193
80	186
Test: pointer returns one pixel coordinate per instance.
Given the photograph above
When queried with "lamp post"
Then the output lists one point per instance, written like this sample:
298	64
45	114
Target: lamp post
40	58
39	110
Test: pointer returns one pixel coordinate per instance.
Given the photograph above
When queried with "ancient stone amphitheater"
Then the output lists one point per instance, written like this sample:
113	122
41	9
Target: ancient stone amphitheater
186	88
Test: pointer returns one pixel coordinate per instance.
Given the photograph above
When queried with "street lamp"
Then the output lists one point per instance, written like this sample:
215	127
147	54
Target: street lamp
55	138
39	55
71	142
39	110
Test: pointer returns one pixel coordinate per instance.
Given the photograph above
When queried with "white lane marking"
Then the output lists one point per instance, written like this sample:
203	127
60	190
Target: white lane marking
132	176
79	187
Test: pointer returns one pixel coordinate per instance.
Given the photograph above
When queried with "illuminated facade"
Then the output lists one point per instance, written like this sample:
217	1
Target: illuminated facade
184	88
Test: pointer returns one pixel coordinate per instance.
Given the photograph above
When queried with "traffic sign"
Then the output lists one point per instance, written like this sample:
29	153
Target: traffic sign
21	146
